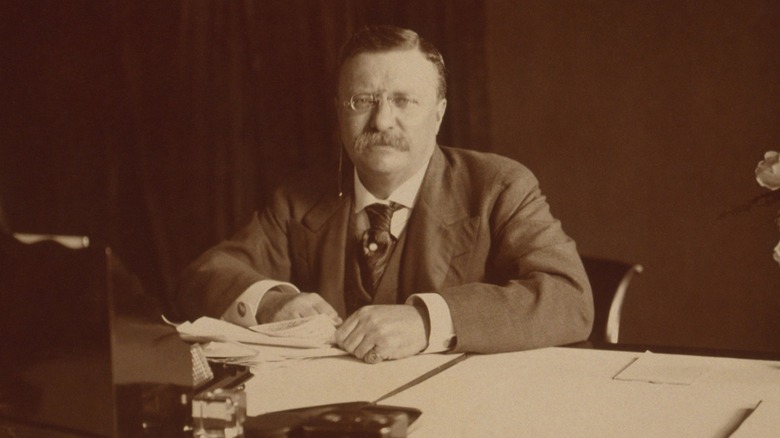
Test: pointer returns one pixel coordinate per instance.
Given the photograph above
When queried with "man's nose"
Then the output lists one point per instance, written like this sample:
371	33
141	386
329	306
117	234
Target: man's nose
383	116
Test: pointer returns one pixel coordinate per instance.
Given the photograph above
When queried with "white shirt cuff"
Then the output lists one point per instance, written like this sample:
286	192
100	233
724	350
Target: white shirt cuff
243	310
442	330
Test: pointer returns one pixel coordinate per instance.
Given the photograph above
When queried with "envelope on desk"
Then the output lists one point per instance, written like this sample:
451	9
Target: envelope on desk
663	368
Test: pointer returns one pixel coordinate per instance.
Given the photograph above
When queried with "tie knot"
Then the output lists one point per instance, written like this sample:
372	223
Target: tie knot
379	215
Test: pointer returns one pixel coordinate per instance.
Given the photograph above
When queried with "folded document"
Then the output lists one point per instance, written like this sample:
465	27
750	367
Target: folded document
312	332
275	342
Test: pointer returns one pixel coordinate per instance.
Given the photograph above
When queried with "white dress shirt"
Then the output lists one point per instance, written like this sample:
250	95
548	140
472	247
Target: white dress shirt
244	308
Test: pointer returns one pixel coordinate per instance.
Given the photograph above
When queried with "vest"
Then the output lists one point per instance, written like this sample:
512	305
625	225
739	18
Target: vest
355	295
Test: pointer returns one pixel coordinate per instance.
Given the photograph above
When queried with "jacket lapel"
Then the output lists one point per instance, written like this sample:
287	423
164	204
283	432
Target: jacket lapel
440	220
324	232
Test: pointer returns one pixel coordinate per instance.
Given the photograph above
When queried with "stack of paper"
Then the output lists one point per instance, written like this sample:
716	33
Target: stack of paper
282	382
294	339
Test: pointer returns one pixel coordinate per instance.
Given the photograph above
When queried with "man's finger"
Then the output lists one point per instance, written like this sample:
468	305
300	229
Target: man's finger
365	346
353	341
373	356
323	307
345	329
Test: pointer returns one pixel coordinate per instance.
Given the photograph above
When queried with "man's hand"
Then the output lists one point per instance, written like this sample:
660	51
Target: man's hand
393	331
280	306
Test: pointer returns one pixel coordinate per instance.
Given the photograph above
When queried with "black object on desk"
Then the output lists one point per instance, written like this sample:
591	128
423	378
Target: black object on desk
335	420
83	351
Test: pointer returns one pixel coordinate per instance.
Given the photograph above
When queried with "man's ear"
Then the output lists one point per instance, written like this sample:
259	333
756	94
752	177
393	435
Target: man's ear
440	108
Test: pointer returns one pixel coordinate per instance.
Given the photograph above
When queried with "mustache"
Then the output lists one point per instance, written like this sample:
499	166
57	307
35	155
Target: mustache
385	138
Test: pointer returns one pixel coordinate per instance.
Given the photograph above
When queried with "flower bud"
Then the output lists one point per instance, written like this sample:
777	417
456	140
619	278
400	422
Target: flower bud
776	254
768	171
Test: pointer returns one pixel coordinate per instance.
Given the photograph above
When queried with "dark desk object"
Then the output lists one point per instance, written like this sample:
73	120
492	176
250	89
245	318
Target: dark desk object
294	423
83	351
609	280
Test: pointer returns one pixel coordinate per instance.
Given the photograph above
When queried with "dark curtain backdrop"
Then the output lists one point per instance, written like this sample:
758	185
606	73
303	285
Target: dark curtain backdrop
159	127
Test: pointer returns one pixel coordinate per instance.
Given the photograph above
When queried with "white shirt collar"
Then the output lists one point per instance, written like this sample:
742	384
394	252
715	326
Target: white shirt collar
404	195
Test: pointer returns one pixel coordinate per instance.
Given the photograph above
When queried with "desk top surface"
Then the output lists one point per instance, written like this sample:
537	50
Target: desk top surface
578	392
547	392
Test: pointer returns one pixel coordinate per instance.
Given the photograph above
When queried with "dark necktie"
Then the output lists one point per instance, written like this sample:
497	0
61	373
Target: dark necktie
377	244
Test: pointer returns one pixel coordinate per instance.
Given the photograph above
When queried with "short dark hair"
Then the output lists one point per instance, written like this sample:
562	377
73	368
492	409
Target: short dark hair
383	38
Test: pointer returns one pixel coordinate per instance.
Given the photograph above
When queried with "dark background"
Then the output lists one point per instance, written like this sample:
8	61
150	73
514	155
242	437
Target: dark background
160	126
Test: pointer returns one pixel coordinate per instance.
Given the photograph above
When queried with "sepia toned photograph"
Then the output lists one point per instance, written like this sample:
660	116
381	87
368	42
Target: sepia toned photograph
428	218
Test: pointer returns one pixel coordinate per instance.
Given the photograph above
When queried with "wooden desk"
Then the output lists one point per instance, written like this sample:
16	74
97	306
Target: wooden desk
555	392
573	392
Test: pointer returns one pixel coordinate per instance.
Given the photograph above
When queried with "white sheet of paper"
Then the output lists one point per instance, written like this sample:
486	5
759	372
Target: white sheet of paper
210	329
571	392
318	327
663	368
262	354
221	350
296	384
764	421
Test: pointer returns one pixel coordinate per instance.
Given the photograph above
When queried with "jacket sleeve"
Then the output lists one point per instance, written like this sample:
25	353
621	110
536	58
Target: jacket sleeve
256	252
535	292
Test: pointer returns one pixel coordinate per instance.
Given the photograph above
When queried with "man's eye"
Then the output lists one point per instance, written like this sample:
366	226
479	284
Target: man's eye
364	101
402	102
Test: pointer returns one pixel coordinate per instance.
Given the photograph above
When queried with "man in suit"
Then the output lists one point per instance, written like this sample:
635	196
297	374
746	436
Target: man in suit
421	248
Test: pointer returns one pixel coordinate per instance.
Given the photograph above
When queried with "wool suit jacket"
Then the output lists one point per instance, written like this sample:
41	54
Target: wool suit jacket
480	234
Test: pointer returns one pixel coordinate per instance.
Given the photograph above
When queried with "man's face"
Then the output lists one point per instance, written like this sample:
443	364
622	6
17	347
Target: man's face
394	137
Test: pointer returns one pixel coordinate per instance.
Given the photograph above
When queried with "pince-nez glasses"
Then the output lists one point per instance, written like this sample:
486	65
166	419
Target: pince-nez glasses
361	103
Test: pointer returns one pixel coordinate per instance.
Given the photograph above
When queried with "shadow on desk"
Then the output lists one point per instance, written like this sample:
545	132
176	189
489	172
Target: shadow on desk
668	349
